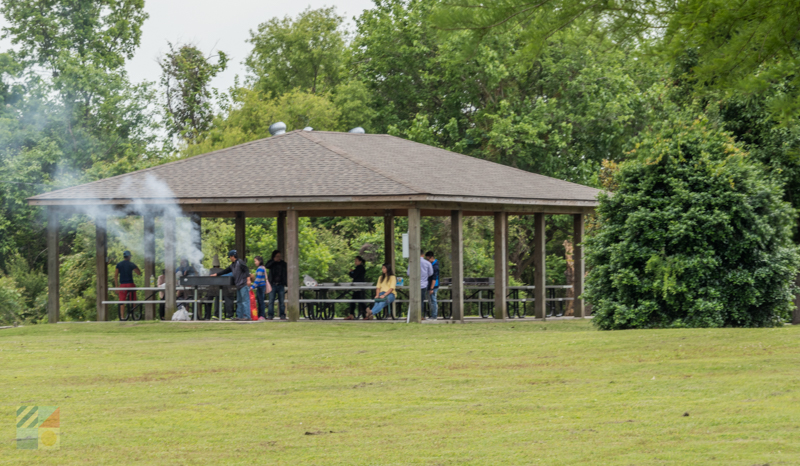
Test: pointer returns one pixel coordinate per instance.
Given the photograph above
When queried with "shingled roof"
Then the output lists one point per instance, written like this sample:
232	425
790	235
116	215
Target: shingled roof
302	164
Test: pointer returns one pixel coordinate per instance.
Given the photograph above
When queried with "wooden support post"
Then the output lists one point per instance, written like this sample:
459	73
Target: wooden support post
500	265
169	267
197	220
578	307
149	263
539	273
281	233
508	241
457	254
388	239
414	247
53	263
796	312
101	266
292	256
239	235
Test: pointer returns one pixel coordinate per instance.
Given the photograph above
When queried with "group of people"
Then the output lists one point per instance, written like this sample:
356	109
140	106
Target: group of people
269	280
269	283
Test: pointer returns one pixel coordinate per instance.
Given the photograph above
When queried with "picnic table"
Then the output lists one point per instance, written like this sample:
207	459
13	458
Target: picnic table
325	296
134	309
322	306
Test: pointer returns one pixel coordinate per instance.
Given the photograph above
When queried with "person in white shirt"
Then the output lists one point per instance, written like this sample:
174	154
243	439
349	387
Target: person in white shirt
425	272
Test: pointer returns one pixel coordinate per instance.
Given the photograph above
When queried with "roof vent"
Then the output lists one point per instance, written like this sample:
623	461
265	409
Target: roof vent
308	128
357	130
277	128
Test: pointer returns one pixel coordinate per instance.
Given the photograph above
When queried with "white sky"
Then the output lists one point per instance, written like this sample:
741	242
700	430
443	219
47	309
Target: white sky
215	25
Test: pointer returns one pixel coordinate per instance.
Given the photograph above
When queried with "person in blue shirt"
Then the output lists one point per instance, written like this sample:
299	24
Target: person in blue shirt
433	287
261	286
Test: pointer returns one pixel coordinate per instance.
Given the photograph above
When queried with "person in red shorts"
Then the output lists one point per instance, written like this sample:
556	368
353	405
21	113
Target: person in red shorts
123	278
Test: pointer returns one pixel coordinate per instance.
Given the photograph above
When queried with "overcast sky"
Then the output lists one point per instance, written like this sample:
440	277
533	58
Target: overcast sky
215	25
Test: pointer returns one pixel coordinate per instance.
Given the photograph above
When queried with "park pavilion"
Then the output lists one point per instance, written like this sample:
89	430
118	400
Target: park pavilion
329	174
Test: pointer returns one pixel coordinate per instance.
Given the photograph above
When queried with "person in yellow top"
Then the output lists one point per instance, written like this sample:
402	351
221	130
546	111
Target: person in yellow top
384	293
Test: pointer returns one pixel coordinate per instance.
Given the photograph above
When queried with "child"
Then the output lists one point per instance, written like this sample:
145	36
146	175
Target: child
261	286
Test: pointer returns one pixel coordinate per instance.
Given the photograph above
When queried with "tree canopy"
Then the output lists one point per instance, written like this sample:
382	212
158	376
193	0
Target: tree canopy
304	53
741	46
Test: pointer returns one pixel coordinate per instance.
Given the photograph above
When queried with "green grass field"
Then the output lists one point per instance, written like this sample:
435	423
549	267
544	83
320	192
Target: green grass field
394	394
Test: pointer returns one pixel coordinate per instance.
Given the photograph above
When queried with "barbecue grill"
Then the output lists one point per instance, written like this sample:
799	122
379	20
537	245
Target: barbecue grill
198	281
206	281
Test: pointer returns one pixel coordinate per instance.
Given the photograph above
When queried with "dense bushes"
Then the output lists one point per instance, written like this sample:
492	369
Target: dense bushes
695	235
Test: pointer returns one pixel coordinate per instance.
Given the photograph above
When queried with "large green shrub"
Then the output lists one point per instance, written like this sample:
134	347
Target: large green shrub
695	235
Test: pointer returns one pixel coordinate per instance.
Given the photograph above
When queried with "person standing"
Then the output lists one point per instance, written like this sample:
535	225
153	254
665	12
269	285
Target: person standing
425	272
123	278
433	287
261	286
212	293
358	274
185	270
240	273
278	276
161	283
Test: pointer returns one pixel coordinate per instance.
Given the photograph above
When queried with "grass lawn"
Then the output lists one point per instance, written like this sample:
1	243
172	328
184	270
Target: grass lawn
394	394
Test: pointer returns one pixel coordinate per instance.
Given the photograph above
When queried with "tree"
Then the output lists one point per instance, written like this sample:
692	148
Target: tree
185	77
695	235
775	145
85	107
69	115
742	46
250	115
98	115
559	115
304	53
53	33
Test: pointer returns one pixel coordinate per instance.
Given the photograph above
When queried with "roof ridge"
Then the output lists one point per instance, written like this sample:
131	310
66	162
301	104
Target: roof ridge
342	153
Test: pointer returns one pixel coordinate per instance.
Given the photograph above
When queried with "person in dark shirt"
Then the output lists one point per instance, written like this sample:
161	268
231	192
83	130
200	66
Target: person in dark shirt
212	293
358	274
123	278
240	275
185	270
277	279
161	283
